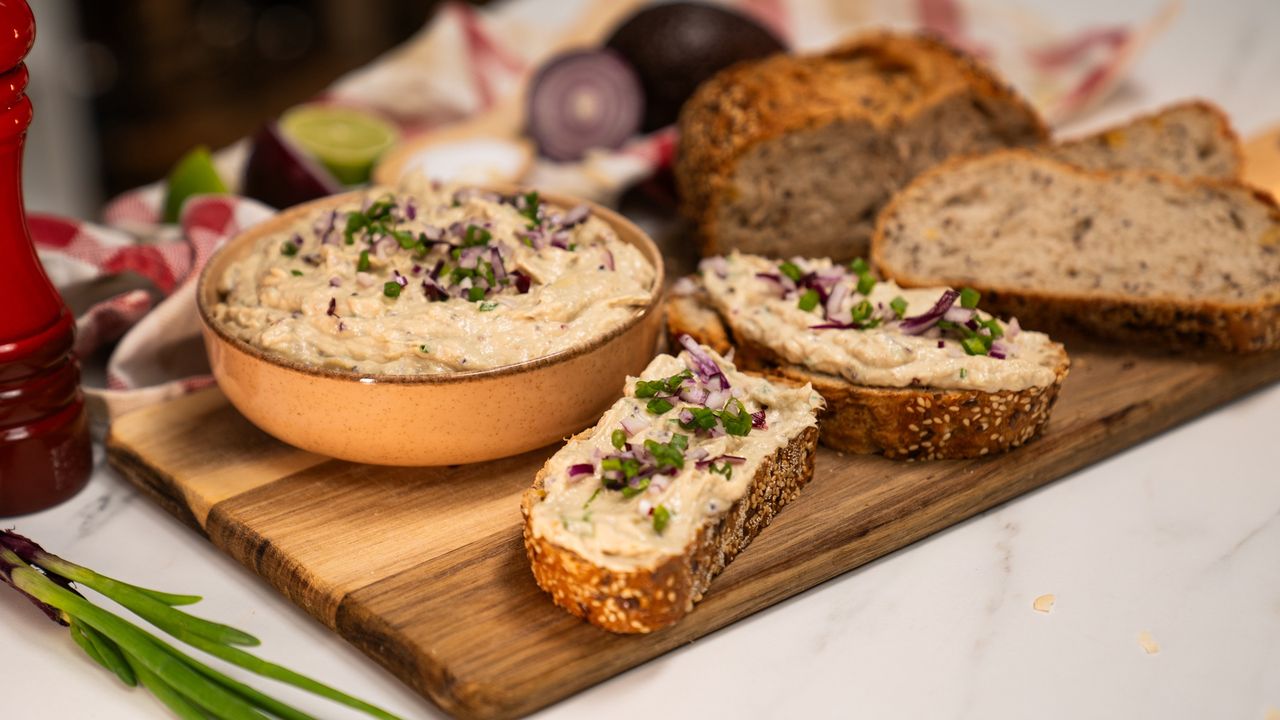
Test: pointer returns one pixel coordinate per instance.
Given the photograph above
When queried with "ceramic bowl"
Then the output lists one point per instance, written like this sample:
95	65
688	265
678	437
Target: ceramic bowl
440	419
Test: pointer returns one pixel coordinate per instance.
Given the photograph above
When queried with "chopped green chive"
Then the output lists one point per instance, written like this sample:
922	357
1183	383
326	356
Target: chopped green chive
963	373
725	469
424	349
475	293
641	485
405	238
975	345
391	289
866	284
859	266
476	235
593	497
809	300
669	454
899	306
862	311
969	298
296	273
362	265
650	388
618	438
791	270
661	516
658	406
993	326
703	419
288	249
488	306
530	211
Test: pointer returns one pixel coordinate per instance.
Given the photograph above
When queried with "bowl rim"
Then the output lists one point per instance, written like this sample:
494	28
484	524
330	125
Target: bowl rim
289	215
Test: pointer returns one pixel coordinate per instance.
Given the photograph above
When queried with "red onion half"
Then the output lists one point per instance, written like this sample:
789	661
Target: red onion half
581	100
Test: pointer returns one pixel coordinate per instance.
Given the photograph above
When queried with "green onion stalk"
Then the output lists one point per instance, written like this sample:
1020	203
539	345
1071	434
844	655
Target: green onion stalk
188	687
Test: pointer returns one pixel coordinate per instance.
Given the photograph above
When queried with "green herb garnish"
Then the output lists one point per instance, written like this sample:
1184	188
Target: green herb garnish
475	293
288	249
618	438
703	419
593	497
669	385
658	406
296	273
737	421
976	345
963	373
362	265
862	312
629	491
859	266
969	298
791	270
725	469
809	300
866	284
669	454
530	211
488	306
424	349
391	289
899	306
476	235
661	516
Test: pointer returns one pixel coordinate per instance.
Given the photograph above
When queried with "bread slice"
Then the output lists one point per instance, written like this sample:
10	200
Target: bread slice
795	155
1136	256
1192	139
906	423
627	577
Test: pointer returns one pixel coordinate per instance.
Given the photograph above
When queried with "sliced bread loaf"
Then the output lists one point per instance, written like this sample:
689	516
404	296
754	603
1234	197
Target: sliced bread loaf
1131	255
629	522
1192	139
795	155
895	373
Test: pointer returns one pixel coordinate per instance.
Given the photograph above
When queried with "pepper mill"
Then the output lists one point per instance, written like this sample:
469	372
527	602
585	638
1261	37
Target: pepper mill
45	456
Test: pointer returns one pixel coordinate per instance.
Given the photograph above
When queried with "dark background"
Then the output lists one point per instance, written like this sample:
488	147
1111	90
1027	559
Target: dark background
166	75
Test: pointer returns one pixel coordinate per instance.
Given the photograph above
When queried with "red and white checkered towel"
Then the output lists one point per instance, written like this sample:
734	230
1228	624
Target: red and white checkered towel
464	63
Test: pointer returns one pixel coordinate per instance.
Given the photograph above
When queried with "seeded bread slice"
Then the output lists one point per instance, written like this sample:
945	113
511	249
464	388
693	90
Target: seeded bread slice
1135	256
647	599
914	423
795	155
1192	139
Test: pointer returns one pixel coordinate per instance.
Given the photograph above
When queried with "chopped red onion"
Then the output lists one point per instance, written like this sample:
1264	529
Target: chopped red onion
581	469
696	395
383	246
335	281
716	264
364	279
434	290
608	259
576	216
499	268
758	421
1012	328
333	308
919	323
836	299
703	365
523	281
686	416
684	287
942	343
958	315
635	424
696	453
399	279
470	256
1000	350
716	399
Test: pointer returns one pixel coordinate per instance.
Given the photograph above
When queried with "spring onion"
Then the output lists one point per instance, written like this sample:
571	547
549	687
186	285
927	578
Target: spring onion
189	688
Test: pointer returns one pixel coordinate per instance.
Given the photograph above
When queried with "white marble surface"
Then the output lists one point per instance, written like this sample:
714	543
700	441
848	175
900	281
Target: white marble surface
1179	537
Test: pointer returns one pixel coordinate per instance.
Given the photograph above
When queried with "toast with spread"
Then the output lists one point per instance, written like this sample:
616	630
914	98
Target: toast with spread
630	521
1134	256
909	373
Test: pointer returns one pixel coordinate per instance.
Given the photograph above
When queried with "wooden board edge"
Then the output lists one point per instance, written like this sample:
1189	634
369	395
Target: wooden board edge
154	484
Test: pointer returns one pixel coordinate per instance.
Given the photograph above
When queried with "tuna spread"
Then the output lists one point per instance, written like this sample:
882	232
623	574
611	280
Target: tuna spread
433	280
841	321
679	449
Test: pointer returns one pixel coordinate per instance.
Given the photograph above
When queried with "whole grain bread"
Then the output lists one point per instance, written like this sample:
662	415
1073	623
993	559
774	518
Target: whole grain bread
1130	255
912	423
795	155
650	598
1191	139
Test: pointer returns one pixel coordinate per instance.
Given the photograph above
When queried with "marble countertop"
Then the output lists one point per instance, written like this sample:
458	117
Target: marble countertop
1178	538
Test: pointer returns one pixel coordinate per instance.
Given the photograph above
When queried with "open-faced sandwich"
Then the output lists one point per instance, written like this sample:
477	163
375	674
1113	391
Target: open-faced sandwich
629	522
911	373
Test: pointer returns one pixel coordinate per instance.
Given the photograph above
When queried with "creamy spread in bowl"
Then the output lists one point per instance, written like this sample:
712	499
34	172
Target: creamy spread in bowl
841	321
433	280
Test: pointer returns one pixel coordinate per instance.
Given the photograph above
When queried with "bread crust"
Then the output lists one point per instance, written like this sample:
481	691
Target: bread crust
756	101
1184	325
647	599
900	423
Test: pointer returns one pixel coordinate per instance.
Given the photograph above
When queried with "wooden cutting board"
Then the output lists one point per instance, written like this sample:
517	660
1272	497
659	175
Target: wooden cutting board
423	569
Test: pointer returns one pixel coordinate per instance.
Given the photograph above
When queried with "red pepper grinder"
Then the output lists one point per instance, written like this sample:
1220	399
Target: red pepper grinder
45	456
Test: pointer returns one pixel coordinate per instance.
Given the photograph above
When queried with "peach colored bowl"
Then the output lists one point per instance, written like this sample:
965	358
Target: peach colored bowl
440	419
